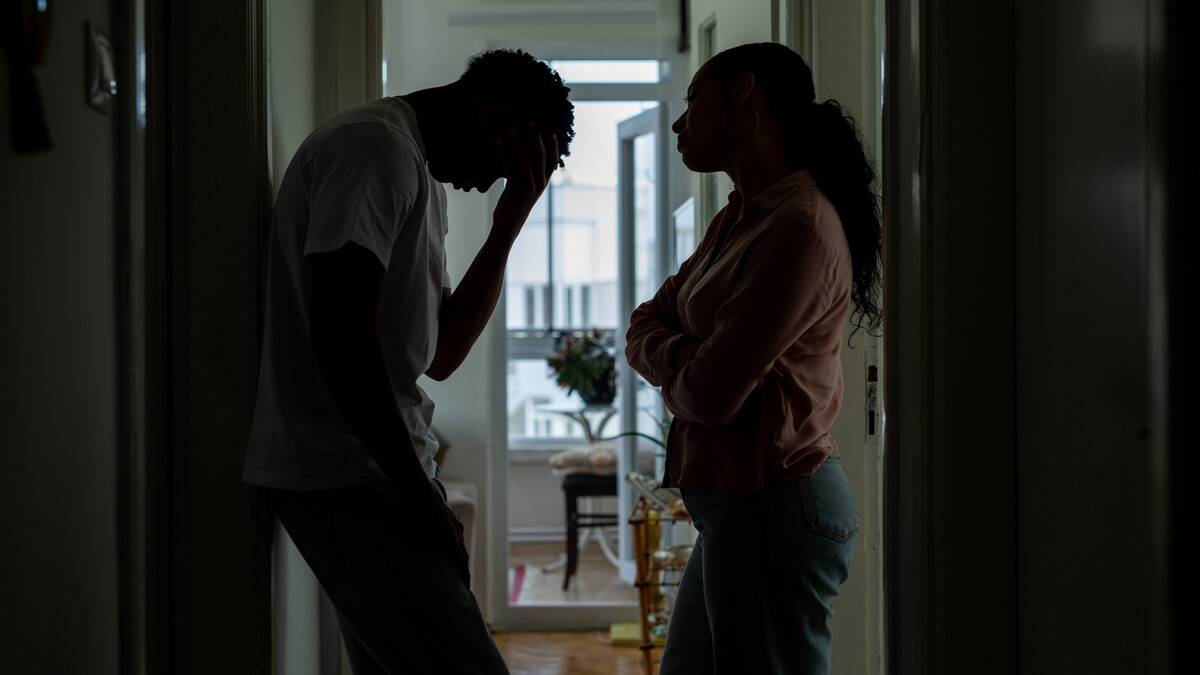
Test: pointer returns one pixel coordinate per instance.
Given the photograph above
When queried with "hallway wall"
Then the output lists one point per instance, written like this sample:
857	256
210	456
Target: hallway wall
1090	478
1033	491
58	374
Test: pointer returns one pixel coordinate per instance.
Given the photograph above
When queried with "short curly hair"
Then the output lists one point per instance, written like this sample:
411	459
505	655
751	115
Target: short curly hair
530	87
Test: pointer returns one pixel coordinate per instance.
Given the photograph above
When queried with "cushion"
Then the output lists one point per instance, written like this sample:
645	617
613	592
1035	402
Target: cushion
598	459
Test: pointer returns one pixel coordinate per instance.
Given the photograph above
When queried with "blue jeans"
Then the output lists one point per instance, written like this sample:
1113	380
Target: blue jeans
400	602
755	596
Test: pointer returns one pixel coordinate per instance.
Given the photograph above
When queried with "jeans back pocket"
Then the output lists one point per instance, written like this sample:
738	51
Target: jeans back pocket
829	506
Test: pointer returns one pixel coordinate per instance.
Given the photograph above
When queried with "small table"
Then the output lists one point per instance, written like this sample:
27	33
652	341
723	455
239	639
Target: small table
578	413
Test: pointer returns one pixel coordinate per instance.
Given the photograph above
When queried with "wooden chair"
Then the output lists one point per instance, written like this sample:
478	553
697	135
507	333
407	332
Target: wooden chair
578	485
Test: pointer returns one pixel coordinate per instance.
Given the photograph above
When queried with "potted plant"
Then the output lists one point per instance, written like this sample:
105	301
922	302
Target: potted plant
584	364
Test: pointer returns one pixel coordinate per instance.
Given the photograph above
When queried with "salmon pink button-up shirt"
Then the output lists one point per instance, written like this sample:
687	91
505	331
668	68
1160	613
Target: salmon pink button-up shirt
745	341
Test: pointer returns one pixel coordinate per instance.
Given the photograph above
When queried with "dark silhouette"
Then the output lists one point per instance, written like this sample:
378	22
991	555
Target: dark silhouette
358	307
745	341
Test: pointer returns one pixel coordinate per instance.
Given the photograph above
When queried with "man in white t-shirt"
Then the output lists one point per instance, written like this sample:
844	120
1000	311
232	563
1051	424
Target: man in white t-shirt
358	306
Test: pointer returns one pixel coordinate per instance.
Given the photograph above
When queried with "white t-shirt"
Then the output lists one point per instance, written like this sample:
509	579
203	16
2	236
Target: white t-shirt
361	178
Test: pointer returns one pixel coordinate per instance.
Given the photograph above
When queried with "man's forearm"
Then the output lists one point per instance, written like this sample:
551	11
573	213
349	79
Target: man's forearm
344	298
466	311
356	374
527	158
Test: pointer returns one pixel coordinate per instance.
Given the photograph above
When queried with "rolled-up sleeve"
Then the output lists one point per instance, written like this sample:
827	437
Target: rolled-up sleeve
785	288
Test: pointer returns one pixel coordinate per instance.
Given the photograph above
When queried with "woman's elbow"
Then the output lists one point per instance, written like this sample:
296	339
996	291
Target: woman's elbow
637	361
633	356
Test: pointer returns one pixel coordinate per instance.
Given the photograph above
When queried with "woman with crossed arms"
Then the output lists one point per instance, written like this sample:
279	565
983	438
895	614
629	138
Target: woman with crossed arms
745	342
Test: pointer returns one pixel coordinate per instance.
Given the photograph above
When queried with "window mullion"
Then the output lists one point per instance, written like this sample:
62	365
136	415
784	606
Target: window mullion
548	310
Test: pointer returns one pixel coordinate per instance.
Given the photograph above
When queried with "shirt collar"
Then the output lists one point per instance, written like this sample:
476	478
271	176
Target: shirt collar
773	196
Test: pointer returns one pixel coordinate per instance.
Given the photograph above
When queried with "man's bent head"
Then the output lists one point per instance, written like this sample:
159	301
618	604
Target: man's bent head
500	89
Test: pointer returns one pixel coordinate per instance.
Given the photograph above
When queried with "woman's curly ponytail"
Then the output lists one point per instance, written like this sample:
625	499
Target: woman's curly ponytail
824	139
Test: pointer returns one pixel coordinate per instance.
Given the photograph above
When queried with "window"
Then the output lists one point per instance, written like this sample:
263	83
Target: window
530	309
607	72
709	189
562	273
685	231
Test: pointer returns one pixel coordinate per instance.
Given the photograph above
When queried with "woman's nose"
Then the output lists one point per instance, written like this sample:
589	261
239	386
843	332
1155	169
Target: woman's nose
677	127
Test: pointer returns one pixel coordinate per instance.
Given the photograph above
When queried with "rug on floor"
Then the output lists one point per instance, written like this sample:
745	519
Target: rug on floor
522	579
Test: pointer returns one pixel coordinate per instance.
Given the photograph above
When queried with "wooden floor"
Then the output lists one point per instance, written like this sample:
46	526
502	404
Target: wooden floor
576	653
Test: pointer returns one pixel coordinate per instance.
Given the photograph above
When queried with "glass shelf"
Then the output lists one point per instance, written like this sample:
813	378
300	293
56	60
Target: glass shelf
652	575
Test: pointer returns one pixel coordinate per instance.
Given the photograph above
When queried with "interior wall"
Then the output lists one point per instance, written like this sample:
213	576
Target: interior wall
58	356
298	103
535	499
536	506
1037	515
1091	484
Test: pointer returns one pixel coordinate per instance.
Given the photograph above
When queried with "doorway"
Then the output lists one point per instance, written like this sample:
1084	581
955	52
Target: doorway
599	242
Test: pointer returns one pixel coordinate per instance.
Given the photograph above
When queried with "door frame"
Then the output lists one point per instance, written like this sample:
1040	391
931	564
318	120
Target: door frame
193	204
141	568
652	121
906	408
500	613
950	325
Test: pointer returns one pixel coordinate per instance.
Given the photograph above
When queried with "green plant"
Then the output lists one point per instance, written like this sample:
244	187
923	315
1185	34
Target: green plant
664	426
585	364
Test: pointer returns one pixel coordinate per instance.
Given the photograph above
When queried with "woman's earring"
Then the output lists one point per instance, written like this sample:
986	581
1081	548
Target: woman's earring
744	135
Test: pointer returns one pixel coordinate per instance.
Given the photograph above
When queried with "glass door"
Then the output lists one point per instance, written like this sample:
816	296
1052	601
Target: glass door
564	278
567	276
645	252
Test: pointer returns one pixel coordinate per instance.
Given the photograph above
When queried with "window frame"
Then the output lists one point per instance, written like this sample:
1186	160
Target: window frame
538	343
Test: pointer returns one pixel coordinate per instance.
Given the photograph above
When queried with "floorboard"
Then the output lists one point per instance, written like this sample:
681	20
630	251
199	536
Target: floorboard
573	653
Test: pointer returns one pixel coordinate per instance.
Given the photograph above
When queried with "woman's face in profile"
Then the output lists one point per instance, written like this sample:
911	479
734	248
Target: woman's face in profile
701	141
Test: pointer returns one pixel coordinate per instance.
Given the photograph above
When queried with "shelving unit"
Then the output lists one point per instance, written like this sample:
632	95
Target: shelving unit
647	521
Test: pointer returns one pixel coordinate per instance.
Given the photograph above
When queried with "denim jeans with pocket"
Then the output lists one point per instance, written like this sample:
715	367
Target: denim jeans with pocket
756	594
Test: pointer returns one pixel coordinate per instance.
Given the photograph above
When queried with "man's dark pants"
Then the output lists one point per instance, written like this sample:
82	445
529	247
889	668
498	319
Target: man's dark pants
401	604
